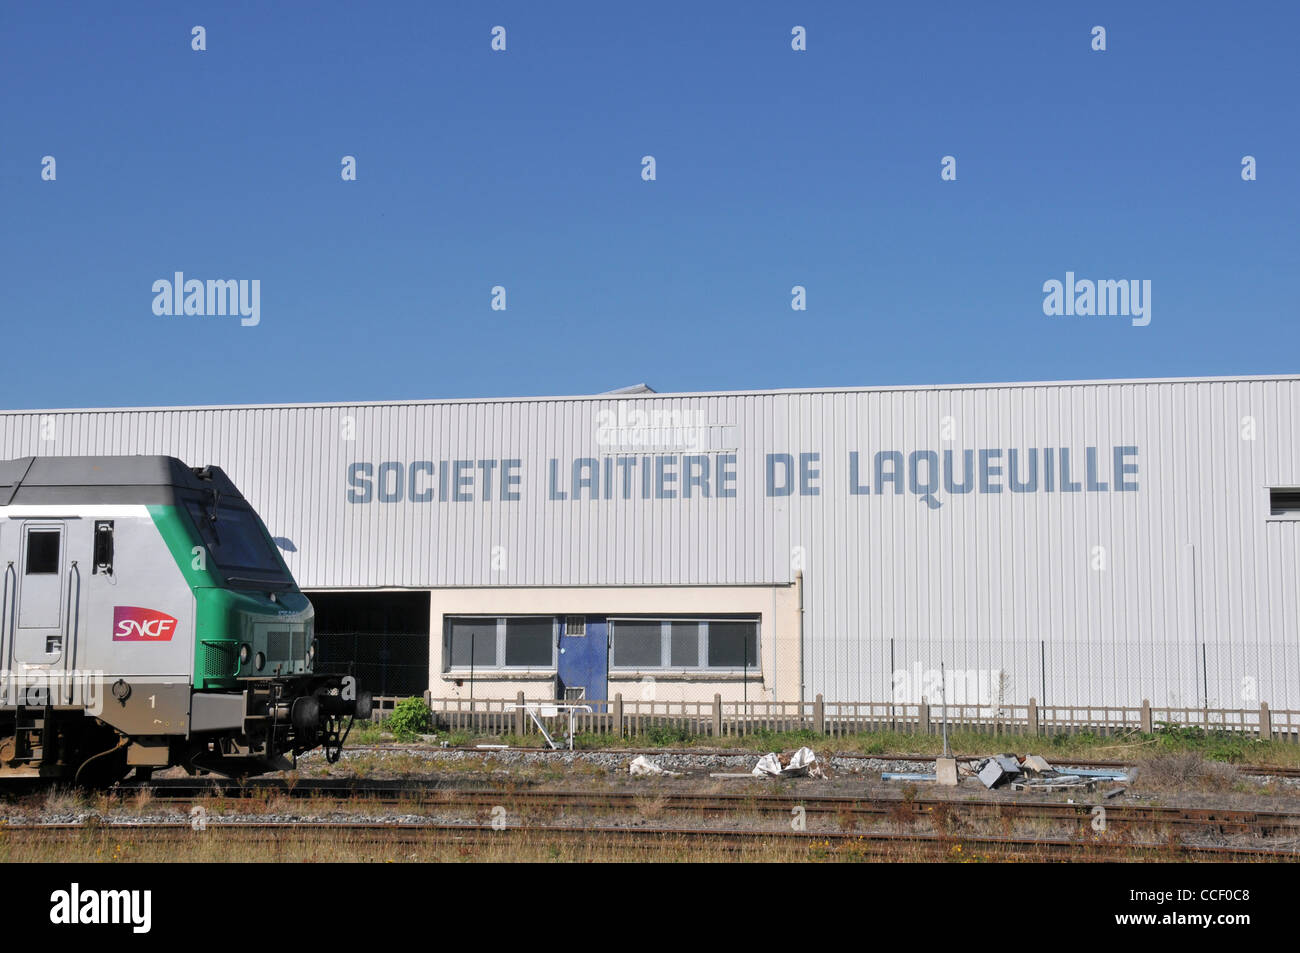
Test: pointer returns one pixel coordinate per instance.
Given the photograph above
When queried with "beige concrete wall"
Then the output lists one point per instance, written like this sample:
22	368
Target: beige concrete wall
776	606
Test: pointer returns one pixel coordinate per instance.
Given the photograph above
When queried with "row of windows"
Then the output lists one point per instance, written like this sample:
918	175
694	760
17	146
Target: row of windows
513	642
635	643
684	643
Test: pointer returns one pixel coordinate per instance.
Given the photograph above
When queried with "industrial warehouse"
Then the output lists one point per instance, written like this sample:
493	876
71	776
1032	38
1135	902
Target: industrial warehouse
1076	543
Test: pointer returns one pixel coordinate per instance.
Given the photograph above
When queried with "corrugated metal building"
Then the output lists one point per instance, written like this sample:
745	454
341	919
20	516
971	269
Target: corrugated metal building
1081	543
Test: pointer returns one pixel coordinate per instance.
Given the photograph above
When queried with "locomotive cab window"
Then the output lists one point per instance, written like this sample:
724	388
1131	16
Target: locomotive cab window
42	552
234	538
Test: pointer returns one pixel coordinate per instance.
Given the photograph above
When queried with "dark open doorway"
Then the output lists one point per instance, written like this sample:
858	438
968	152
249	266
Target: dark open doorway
380	637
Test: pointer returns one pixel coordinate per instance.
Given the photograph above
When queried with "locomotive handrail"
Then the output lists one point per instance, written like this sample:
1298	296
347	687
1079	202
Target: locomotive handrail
70	629
4	617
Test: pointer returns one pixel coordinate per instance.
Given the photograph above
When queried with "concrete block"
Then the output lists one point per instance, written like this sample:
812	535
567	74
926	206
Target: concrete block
945	770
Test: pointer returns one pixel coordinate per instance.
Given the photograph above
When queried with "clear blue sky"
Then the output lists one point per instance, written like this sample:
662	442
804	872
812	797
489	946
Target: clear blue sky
523	169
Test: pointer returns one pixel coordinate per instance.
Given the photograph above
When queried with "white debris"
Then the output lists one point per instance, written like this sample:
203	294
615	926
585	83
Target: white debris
802	764
642	766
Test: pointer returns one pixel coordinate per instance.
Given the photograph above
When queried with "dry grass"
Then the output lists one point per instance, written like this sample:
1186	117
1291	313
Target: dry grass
1183	772
64	801
302	844
651	807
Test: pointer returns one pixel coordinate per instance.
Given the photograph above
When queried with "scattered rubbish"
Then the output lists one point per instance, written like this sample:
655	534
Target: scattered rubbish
1109	774
1031	773
1049	785
1034	773
1008	762
801	764
992	774
1115	793
642	766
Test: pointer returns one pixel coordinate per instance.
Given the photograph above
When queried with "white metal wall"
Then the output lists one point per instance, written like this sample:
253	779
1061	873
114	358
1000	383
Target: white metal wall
1198	601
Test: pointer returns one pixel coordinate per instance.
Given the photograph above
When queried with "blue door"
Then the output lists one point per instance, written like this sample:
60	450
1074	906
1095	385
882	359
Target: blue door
583	657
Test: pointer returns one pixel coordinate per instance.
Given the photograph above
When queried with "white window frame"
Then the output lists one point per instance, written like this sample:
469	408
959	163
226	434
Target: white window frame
702	645
1289	516
449	669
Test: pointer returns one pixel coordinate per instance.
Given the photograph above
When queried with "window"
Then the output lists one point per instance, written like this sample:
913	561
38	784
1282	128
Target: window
510	642
575	625
638	644
733	644
472	643
685	644
529	643
235	540
1284	502
42	552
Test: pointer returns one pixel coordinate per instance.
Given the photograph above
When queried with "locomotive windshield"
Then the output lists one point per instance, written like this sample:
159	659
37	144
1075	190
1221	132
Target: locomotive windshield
236	541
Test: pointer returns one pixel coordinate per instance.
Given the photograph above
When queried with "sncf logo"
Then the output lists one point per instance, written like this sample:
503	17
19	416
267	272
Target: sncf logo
135	624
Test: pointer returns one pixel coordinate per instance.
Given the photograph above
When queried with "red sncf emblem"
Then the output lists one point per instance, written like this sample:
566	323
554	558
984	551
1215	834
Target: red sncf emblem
136	624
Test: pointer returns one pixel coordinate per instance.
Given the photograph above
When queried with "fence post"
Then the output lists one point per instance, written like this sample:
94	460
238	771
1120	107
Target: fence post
925	715
717	715
1033	716
618	715
819	715
520	724
1265	723
1146	717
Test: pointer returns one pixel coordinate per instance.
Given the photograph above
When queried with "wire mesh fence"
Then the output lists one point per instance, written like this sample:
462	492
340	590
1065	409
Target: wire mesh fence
1019	685
384	663
1057	670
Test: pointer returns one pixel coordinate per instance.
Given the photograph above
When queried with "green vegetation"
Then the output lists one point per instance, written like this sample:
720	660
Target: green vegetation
411	717
1217	745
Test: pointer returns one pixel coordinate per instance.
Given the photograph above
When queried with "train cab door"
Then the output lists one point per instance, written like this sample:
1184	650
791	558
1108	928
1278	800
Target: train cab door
42	596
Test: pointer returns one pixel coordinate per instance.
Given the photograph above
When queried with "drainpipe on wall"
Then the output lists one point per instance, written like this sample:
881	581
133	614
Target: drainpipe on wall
798	584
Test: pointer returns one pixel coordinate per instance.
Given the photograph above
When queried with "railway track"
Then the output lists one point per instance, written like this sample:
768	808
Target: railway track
848	811
739	841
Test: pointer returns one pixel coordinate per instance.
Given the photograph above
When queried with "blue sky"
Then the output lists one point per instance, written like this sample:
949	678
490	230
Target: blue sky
522	169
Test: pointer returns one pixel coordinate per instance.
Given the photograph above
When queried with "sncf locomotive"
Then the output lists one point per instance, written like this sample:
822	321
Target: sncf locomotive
148	620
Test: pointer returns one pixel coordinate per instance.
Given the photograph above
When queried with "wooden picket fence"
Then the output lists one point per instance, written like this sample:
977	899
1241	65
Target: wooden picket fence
719	719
